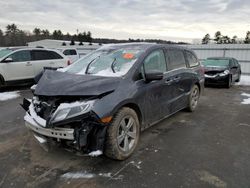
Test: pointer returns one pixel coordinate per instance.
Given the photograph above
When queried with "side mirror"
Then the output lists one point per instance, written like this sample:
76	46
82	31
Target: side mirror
153	75
8	60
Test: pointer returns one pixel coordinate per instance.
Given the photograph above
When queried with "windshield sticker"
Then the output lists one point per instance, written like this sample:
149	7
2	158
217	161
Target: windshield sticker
128	56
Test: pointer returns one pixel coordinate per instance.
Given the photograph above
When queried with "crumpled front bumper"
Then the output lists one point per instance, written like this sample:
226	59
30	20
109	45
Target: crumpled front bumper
60	133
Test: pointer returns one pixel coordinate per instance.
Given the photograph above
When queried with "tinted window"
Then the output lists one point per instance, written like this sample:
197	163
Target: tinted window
41	55
176	59
192	60
155	62
54	55
45	55
70	52
21	56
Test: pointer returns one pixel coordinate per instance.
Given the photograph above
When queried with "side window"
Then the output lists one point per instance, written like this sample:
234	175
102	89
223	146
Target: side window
70	52
73	52
54	55
155	62
21	56
41	55
192	60
176	59
66	52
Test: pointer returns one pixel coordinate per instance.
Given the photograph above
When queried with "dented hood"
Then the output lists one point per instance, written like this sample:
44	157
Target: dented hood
54	83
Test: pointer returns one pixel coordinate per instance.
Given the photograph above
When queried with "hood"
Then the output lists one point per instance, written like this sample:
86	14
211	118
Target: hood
215	68
54	83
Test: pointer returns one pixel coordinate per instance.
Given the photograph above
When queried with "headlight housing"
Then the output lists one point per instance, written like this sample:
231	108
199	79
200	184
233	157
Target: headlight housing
226	72
69	110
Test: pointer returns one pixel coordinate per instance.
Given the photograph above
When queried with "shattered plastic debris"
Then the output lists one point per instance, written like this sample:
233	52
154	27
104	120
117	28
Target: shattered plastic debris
95	153
9	95
38	119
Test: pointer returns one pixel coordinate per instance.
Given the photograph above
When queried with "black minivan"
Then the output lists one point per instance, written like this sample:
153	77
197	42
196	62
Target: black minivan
102	102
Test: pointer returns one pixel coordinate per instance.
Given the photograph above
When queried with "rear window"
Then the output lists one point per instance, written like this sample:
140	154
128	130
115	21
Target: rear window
176	59
192	60
45	55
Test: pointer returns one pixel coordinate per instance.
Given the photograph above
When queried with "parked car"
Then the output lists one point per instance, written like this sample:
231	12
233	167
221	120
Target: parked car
21	65
222	71
103	101
71	53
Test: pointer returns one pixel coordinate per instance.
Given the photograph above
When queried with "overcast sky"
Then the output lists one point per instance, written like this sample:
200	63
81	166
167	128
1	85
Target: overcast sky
162	19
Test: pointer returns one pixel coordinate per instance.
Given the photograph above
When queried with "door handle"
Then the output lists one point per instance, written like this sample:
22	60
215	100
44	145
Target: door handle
28	64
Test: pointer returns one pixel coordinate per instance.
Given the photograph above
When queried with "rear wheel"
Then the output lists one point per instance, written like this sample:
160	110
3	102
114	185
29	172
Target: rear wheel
193	98
122	135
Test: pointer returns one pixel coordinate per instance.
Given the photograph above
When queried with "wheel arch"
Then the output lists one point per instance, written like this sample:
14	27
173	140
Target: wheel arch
136	108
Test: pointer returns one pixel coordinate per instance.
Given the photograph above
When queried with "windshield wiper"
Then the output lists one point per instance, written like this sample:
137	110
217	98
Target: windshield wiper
113	64
87	68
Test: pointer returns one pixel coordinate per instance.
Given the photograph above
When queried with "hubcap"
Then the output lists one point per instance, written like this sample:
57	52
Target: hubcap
194	97
126	134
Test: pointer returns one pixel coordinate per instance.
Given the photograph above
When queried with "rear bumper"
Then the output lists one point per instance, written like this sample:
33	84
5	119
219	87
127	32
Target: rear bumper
60	133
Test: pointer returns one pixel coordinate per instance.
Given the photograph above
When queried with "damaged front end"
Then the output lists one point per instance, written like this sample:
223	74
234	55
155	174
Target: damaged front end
67	121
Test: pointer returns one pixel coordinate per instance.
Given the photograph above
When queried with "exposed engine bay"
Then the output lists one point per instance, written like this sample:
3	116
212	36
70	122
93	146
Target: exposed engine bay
68	121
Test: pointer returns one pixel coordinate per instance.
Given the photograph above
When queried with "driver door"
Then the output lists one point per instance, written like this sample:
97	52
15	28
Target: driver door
18	66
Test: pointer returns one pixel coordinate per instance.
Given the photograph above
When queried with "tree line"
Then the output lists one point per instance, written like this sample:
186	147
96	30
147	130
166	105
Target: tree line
13	36
225	39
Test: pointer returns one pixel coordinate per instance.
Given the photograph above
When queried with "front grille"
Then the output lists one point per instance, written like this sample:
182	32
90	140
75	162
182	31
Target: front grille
211	73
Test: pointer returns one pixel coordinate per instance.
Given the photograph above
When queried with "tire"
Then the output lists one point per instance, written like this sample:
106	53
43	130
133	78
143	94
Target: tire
229	82
122	135
193	98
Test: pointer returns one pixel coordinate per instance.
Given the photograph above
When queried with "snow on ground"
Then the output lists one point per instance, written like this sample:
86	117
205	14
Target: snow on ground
95	153
9	95
244	80
84	175
246	101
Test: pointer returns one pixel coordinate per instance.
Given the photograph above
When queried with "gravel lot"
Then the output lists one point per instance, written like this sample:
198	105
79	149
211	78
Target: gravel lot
207	148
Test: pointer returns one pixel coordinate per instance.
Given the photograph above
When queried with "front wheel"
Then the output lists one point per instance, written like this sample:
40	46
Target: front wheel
122	135
229	82
193	98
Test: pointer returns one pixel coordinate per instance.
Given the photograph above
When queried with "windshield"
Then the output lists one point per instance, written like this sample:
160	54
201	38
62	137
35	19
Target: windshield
216	62
106	62
4	52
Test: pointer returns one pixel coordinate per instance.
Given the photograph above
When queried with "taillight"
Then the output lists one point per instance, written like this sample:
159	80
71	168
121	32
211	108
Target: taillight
68	62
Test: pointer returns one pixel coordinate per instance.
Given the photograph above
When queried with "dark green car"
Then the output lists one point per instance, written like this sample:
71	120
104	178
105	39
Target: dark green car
221	71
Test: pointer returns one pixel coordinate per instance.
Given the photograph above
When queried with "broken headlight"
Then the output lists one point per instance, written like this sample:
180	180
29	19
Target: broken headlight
69	110
226	72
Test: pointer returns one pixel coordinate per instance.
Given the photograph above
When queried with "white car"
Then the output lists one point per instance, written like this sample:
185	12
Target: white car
22	65
71	53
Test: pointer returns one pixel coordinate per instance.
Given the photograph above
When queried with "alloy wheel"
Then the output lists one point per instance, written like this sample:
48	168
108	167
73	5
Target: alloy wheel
126	134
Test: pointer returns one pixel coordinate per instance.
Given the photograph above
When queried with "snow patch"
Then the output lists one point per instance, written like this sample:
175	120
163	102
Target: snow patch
77	175
246	101
38	119
84	175
9	95
244	80
95	153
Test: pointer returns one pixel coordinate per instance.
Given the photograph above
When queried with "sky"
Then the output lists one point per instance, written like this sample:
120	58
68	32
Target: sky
177	20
